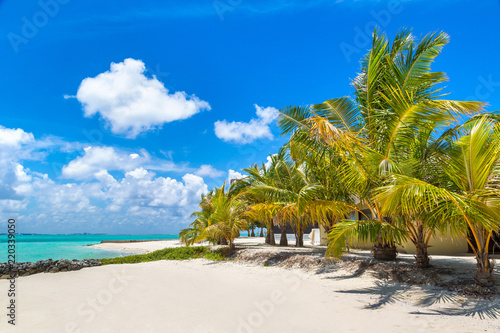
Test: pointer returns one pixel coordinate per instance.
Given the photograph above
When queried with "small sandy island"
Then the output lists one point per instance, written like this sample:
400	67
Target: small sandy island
246	295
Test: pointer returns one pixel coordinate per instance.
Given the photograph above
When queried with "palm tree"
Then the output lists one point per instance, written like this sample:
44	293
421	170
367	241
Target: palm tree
275	185
467	200
263	207
264	212
322	168
221	219
260	225
228	216
396	97
252	229
195	232
421	162
297	200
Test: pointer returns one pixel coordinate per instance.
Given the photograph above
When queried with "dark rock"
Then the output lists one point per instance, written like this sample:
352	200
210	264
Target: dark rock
50	266
63	264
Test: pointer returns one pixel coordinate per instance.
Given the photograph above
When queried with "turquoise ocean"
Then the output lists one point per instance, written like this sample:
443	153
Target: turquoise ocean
41	247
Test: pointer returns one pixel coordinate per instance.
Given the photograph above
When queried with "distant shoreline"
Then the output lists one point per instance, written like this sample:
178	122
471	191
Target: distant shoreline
133	241
33	248
144	246
86	234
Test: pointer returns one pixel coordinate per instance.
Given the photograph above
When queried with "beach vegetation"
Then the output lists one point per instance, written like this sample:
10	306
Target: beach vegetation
388	128
220	220
289	194
466	202
175	253
395	162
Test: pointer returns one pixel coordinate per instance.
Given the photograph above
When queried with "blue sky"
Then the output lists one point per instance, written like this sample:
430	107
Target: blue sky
87	146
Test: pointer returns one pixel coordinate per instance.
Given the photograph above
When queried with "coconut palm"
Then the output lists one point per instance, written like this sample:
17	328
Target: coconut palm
260	216
195	232
467	200
297	200
322	168
228	217
396	98
221	219
421	162
277	185
264	212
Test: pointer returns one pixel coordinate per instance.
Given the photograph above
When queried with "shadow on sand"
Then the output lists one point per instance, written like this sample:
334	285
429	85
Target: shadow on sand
390	293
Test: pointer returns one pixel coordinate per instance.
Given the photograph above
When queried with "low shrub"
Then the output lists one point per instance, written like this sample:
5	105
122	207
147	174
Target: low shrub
175	253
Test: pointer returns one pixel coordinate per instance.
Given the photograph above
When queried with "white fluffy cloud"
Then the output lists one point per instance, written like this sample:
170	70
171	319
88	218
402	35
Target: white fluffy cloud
138	202
97	159
234	175
132	103
243	133
135	199
14	138
101	158
14	143
140	188
269	162
207	170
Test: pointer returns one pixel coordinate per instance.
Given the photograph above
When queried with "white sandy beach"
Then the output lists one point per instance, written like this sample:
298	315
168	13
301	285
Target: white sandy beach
141	247
146	247
202	296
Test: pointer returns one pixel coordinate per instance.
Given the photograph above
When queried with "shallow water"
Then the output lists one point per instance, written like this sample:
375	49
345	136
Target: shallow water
41	247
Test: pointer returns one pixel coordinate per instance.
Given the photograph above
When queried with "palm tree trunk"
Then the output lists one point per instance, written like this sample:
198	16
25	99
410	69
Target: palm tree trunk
253	231
484	273
283	239
384	250
295	233
300	238
272	241
261	232
421	257
231	246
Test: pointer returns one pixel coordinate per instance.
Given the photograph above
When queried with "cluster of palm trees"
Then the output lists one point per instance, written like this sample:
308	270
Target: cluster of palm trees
282	193
413	164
